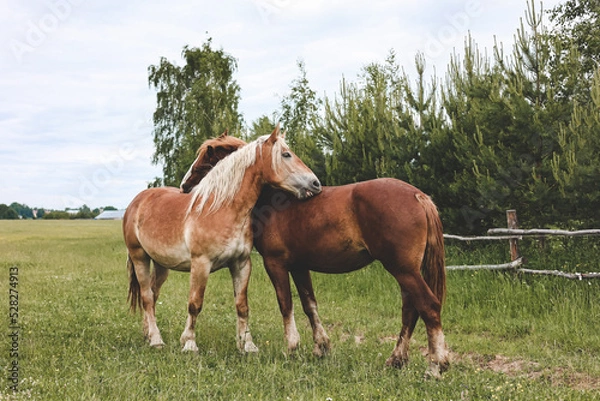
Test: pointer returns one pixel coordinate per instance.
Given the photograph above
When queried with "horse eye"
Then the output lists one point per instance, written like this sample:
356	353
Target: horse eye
286	154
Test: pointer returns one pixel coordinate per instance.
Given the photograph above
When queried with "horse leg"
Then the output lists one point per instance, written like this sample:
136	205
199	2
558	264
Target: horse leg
159	276
309	304
410	315
416	291
141	265
280	279
199	272
240	275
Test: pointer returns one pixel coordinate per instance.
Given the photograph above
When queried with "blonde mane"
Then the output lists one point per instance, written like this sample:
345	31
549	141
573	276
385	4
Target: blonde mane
225	179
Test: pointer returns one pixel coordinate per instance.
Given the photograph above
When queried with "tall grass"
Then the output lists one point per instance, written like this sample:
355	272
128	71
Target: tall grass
79	341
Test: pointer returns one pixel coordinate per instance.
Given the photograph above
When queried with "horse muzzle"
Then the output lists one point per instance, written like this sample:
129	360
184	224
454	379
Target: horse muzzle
304	186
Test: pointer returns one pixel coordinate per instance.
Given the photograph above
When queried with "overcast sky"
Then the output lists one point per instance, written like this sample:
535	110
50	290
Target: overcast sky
76	109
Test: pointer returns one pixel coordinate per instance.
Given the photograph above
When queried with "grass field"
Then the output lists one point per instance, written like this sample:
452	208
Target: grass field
512	338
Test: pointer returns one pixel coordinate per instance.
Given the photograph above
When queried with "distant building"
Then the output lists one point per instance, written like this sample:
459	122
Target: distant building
110	215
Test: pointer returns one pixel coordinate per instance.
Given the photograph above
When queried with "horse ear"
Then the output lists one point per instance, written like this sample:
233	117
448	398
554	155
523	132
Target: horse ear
224	134
274	134
283	135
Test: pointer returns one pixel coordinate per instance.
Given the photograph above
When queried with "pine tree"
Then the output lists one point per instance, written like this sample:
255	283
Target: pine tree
298	117
576	163
360	129
425	138
505	116
577	26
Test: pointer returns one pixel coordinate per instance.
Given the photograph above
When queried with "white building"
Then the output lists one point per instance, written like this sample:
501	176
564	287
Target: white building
110	215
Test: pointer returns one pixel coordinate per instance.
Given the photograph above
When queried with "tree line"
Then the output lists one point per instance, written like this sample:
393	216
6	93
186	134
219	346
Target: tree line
516	129
16	211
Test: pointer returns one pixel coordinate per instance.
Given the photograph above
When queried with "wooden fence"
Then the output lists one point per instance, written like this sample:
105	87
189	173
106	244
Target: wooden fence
513	234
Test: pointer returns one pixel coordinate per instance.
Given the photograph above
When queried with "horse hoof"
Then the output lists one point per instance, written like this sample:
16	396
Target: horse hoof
435	370
320	350
250	348
190	346
157	345
396	362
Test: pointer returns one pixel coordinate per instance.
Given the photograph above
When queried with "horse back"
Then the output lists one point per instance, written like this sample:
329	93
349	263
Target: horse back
391	219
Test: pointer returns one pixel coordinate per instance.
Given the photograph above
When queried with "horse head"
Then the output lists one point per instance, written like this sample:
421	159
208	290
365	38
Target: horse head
209	154
284	169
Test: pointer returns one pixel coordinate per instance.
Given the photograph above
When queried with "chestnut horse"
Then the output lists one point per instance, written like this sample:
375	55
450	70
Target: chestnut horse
207	230
344	229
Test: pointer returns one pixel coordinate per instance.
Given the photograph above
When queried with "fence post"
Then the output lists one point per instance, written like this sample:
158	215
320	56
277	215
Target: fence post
513	223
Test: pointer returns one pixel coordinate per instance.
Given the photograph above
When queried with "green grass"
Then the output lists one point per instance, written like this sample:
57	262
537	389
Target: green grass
512	337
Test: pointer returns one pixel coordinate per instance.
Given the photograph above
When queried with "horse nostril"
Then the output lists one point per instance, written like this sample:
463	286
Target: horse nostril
316	184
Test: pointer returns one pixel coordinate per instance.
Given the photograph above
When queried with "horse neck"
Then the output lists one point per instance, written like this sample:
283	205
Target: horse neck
250	189
268	193
245	198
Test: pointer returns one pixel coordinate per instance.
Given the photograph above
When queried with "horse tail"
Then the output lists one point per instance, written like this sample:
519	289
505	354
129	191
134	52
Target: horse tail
433	267
135	295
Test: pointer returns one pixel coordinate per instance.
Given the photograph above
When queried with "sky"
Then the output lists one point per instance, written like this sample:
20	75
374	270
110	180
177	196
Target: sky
76	108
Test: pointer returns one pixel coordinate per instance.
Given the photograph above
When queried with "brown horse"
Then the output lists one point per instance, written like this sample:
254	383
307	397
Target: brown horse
207	230
344	229
211	151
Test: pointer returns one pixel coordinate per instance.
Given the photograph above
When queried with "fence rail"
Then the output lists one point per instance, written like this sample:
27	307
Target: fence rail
505	266
482	237
513	234
539	232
